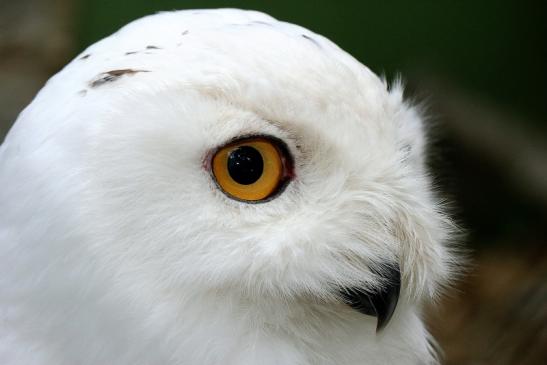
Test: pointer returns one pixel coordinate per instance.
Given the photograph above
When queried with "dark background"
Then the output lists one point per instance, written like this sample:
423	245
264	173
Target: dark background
479	66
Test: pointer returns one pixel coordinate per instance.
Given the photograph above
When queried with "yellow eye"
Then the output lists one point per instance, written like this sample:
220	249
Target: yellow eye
252	169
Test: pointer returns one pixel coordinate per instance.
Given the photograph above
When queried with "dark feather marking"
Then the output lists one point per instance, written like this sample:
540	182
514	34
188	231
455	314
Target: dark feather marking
85	56
407	150
185	32
130	53
111	76
311	40
261	22
152	47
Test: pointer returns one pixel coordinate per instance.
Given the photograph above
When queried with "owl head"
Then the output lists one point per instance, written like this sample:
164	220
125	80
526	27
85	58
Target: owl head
226	152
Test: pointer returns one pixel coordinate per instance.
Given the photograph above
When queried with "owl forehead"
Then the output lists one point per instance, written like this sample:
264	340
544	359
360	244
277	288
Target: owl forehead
278	69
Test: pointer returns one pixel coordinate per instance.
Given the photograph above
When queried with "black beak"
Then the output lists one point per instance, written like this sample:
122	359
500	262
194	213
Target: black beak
381	303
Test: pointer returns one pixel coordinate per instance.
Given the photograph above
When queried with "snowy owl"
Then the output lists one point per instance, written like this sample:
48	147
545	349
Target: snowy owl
218	187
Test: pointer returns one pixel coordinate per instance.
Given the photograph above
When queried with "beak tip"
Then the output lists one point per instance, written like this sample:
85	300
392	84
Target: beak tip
381	304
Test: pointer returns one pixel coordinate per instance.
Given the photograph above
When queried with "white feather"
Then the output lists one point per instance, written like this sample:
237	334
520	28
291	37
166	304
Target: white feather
116	247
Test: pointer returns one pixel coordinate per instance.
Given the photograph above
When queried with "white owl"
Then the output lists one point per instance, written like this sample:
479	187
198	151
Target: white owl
217	187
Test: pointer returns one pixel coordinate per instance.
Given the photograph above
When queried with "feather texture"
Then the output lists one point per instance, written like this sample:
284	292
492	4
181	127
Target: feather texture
116	247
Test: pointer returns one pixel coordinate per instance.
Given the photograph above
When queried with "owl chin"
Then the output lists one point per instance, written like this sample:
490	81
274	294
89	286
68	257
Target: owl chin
380	303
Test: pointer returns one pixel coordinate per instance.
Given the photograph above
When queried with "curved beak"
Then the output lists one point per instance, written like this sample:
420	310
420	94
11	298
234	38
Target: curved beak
380	303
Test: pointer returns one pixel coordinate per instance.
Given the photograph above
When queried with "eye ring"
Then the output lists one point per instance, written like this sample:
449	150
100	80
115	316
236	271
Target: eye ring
252	169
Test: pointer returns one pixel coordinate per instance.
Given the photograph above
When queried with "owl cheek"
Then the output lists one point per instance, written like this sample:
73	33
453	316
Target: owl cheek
380	303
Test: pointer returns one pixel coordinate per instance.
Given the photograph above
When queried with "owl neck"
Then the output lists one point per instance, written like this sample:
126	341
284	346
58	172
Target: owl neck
293	330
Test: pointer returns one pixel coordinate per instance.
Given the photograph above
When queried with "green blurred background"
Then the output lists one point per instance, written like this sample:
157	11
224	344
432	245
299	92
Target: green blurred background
479	66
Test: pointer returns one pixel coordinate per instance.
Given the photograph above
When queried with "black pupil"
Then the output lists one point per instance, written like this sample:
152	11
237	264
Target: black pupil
245	165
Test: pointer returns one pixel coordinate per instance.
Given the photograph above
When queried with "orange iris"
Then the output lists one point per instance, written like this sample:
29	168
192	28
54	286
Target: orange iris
250	169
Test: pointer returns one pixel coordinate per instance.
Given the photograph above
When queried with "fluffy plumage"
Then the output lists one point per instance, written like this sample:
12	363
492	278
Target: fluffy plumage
116	246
